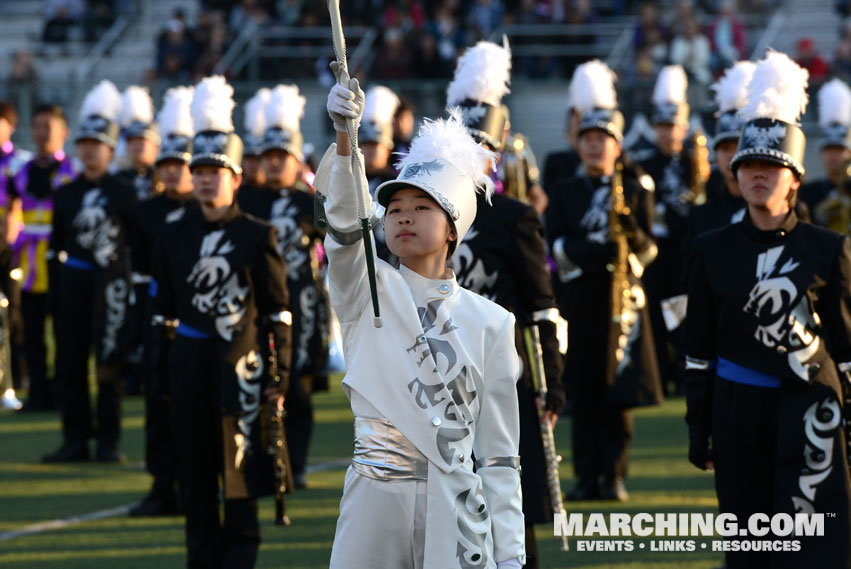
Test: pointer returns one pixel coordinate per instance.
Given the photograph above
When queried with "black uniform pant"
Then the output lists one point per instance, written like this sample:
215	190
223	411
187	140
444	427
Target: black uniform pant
197	426
34	314
662	280
602	432
160	451
299	421
75	335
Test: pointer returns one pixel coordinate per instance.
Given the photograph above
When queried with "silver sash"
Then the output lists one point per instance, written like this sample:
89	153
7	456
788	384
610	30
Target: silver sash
383	453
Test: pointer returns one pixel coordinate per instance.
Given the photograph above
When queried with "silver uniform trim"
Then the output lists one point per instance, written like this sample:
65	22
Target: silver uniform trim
567	269
139	278
546	315
160	320
698	364
344	238
283	317
844	366
383	453
504	461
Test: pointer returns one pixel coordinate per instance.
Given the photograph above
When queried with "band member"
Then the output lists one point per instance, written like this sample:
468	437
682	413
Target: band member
221	277
11	158
285	202
149	216
29	221
562	164
255	126
671	169
601	251
452	350
769	340
728	206
503	258
403	127
89	242
143	140
829	203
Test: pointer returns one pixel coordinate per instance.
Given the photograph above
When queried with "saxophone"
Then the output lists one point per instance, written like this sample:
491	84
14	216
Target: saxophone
619	267
835	210
700	169
514	160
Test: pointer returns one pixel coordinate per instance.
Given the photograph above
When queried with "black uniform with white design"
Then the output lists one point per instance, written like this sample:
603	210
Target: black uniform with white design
503	258
813	194
224	282
90	290
672	176
142	179
604	384
769	320
291	213
558	167
149	217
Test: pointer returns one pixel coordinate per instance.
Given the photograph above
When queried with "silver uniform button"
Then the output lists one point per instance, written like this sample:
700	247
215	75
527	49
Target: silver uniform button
781	349
435	421
444	288
460	458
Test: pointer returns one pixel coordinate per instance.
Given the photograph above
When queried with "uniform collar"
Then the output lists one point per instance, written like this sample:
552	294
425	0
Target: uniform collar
771	235
429	288
232	213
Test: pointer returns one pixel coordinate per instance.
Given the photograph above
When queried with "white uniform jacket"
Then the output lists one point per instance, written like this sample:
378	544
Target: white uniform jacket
443	370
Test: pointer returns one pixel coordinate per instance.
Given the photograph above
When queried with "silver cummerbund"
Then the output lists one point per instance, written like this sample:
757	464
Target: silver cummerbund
383	453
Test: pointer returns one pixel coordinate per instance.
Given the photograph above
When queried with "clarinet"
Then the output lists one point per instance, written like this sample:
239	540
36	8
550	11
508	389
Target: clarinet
845	380
277	447
539	380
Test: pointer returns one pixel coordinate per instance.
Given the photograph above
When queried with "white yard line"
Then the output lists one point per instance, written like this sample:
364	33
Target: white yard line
53	525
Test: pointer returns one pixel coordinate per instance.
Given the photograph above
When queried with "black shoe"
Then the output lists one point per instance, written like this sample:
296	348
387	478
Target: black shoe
584	490
615	490
75	452
110	455
154	506
299	481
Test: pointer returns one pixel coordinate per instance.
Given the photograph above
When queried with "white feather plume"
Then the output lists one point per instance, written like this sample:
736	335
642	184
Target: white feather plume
285	108
482	74
136	106
778	90
255	112
834	104
448	139
103	100
592	86
671	85
174	116
731	91
212	105
380	105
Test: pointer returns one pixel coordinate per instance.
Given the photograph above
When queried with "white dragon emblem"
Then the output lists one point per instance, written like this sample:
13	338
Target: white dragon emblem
760	137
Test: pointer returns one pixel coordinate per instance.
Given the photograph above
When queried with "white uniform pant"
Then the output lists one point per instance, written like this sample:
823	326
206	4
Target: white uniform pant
381	524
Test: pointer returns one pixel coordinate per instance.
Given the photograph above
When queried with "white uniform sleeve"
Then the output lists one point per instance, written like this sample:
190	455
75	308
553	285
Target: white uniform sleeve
349	286
497	446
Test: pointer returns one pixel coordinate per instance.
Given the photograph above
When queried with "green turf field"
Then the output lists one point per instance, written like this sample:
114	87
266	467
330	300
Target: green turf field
660	480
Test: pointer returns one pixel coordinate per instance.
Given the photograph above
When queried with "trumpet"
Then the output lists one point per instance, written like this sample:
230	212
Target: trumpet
700	169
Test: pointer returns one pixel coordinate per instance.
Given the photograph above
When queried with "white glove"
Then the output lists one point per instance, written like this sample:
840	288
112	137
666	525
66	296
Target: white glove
510	564
345	102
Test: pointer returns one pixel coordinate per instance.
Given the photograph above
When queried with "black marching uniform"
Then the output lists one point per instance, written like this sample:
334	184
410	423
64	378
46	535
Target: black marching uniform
224	282
558	167
768	323
90	289
291	213
149	217
813	194
603	389
503	258
664	277
142	179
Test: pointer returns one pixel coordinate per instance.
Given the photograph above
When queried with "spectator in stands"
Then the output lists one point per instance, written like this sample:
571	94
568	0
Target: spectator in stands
810	59
650	32
289	11
99	16
59	16
176	55
727	38
22	80
690	48
393	61
248	13
407	15
485	17
213	51
427	61
446	28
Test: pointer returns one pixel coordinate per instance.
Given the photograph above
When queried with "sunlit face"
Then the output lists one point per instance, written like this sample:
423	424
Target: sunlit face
215	186
832	157
598	151
141	151
49	133
375	156
670	137
94	154
280	168
6	130
415	227
766	185
175	176
404	125
724	152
